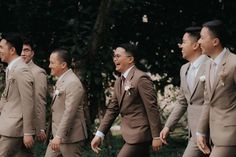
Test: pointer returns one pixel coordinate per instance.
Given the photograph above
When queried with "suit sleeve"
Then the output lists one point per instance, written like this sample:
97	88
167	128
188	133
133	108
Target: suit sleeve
25	85
149	98
40	100
179	109
112	112
203	125
73	102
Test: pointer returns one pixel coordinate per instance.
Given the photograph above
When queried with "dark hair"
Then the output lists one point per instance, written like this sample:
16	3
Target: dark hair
26	41
130	49
218	30
193	32
64	55
14	39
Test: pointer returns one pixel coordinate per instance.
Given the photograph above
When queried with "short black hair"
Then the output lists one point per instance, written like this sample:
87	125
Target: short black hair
193	32
64	55
14	39
29	42
131	49
218	30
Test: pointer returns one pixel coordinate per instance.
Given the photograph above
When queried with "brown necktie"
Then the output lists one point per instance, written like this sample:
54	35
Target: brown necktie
122	83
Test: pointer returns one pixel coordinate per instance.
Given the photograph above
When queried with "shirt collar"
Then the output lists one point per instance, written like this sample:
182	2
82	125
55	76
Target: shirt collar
10	65
126	73
198	61
63	75
219	58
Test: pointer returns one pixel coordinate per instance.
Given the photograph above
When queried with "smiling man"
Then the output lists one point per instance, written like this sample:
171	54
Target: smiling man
16	119
135	99
68	119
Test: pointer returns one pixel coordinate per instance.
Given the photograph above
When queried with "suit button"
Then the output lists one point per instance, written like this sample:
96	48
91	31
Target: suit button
190	103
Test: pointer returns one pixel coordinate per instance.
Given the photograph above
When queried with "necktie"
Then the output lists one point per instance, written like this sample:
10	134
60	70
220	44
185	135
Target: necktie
212	73
122	83
191	77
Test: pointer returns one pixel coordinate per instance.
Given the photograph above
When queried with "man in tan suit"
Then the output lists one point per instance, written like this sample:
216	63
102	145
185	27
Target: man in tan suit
191	95
40	89
16	119
135	99
68	119
219	112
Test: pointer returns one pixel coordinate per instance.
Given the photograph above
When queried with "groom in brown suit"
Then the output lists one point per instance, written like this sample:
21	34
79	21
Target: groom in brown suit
191	95
135	99
219	112
17	106
68	119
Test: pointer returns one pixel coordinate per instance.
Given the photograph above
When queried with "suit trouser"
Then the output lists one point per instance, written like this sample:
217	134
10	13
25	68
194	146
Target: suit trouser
13	147
218	151
66	150
192	150
135	150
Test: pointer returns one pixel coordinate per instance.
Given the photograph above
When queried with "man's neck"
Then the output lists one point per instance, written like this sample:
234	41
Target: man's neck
195	56
216	52
12	59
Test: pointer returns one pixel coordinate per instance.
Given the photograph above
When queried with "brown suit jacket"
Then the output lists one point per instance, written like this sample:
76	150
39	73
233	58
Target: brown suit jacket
138	108
219	113
68	119
40	95
18	108
192	102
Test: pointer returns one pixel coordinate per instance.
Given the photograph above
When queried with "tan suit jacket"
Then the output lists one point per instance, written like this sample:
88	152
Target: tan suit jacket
17	112
219	113
40	95
68	119
138	107
190	101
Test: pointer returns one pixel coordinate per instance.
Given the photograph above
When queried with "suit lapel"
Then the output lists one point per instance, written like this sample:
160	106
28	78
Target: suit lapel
185	83
219	70
199	74
128	78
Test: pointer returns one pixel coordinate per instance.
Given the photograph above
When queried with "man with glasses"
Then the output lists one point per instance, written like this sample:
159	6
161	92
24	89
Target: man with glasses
40	89
135	99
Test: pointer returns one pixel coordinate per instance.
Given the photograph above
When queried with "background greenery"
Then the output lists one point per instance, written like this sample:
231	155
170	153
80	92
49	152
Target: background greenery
92	28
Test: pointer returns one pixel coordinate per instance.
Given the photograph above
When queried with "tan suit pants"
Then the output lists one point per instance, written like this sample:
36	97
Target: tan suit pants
229	151
67	150
135	150
192	150
13	147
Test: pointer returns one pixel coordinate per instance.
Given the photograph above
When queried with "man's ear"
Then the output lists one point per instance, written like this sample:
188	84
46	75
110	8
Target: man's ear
131	59
196	45
216	41
12	50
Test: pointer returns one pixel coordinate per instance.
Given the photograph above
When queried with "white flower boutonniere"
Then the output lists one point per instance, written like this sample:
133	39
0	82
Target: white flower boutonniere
202	78
128	87
57	92
222	76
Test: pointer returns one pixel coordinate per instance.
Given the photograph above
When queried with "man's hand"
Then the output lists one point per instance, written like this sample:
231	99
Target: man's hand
95	144
41	136
156	144
201	143
28	141
55	143
163	134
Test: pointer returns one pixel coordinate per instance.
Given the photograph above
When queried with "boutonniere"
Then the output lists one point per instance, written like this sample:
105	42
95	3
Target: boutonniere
202	78
57	92
128	87
222	76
